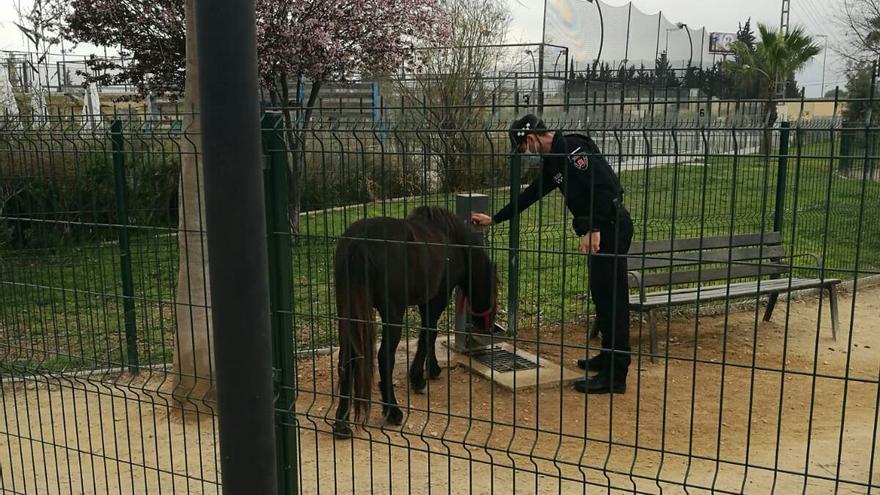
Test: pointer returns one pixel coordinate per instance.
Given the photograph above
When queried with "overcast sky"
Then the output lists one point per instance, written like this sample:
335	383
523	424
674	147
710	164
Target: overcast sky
716	15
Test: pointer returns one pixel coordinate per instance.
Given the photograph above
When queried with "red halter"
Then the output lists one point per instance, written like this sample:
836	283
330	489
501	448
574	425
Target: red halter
479	314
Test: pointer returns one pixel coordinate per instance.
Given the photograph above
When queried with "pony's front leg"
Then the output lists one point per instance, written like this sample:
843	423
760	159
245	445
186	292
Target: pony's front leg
390	339
434	369
431	317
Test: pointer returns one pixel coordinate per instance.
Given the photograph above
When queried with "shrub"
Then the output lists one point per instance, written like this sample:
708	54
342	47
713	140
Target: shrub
65	187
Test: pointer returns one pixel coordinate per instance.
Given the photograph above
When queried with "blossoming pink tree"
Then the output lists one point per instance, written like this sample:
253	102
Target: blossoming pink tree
317	40
314	39
335	41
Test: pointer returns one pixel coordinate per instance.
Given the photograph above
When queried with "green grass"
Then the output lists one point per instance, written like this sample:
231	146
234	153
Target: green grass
739	197
61	308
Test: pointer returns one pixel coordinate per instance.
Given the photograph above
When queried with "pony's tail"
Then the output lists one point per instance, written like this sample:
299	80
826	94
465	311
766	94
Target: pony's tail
357	331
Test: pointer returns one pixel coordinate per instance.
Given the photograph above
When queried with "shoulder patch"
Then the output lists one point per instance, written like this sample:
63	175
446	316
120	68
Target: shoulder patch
579	159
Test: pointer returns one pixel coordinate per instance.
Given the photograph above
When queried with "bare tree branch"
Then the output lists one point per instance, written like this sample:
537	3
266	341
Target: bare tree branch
861	20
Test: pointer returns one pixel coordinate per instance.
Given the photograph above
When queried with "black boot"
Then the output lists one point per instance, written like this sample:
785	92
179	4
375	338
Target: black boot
592	364
601	384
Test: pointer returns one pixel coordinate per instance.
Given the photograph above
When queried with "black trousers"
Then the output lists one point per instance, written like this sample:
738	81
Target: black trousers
609	287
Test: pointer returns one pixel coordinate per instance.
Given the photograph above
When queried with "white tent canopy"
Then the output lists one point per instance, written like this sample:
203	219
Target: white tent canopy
91	111
8	104
629	34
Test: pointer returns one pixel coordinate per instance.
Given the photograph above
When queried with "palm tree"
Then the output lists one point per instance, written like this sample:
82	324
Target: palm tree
776	57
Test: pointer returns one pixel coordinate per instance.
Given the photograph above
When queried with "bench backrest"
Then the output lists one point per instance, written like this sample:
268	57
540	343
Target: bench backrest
705	259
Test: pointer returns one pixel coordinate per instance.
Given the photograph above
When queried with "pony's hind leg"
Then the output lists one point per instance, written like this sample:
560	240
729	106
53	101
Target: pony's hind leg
341	428
391	329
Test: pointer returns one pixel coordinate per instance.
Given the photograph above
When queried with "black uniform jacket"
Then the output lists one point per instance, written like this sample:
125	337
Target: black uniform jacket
591	188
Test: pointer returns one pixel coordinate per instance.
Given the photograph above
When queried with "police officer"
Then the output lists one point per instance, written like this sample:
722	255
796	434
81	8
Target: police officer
575	165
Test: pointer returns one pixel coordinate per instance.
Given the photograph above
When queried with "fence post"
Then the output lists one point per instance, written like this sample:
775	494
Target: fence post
846	151
871	142
516	93
513	246
782	172
280	299
117	146
540	94
464	340
374	102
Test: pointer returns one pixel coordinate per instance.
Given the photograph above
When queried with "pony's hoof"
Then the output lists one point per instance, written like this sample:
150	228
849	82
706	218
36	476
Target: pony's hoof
394	416
341	430
418	384
434	371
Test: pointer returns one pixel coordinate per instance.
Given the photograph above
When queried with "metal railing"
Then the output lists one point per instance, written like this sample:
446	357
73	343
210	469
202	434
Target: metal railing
94	263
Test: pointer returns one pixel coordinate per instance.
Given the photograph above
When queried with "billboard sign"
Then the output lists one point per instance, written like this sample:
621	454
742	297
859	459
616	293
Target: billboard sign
720	42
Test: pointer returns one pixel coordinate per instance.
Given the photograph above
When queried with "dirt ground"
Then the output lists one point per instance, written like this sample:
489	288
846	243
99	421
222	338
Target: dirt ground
720	414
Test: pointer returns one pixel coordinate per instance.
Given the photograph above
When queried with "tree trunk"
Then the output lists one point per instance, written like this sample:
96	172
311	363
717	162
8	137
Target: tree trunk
770	116
193	352
296	140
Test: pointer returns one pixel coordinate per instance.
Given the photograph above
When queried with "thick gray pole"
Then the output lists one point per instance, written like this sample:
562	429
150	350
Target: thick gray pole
824	56
691	44
236	224
602	32
464	340
541	62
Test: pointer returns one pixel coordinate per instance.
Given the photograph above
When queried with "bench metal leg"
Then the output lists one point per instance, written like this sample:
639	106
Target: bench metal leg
652	335
835	318
771	303
594	328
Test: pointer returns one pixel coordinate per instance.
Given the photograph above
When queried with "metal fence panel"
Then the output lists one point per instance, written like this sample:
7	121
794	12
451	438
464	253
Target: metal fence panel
725	402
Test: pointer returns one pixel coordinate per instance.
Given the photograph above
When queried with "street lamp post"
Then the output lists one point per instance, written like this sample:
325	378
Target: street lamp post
667	40
534	72
601	28
824	56
757	69
684	26
541	61
556	63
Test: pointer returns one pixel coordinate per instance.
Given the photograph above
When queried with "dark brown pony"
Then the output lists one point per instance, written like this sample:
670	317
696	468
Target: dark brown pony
389	264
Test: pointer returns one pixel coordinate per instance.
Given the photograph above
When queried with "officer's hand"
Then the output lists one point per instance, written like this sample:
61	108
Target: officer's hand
481	219
590	242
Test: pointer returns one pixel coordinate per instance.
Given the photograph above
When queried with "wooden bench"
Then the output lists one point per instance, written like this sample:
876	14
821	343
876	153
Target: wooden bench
705	269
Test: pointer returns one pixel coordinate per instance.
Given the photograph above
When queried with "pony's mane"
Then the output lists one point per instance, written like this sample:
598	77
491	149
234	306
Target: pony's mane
446	220
458	231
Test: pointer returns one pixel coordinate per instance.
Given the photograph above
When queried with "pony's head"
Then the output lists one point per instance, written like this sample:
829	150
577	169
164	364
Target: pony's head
481	290
480	283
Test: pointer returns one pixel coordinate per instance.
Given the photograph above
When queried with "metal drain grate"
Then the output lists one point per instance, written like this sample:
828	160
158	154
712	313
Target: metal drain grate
503	361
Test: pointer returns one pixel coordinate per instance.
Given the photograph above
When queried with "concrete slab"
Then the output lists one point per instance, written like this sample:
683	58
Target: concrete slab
547	374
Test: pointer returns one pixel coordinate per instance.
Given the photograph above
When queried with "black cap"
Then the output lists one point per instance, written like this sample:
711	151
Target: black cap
520	128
